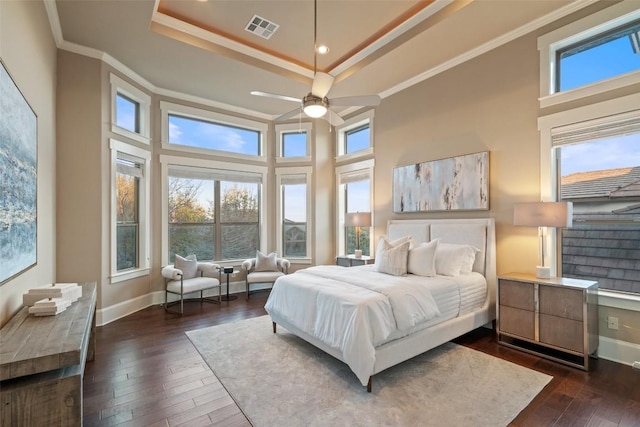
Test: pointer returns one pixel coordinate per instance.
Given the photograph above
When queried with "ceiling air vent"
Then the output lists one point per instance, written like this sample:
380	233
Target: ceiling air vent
261	27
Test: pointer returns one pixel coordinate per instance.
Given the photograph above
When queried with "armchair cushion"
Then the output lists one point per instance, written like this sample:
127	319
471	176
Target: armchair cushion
266	262
208	268
188	265
193	285
264	276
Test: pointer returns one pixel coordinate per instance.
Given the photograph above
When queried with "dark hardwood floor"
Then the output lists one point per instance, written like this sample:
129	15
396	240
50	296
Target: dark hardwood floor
147	373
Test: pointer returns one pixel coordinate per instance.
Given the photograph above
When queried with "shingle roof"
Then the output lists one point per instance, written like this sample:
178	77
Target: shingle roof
609	183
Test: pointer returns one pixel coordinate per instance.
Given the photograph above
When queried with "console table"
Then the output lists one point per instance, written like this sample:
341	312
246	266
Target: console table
42	364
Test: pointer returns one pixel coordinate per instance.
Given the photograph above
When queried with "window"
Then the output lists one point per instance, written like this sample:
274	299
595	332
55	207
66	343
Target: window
357	139
130	207
294	142
212	212
130	110
598	169
590	56
606	55
355	190
201	131
294	212
354	137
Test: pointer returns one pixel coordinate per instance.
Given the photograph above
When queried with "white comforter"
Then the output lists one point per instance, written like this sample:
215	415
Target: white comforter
351	309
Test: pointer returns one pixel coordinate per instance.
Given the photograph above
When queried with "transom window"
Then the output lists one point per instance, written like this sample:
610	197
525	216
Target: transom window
357	139
354	137
294	144
597	58
127	113
200	133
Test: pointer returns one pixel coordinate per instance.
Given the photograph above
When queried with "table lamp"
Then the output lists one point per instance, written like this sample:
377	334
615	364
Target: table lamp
543	215
357	220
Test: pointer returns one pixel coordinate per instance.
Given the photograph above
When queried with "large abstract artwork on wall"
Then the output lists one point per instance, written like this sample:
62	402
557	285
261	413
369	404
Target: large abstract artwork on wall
455	183
18	180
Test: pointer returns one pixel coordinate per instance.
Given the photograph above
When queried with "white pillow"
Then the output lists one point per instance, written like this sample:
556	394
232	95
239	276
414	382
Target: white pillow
188	265
392	259
453	260
422	258
266	262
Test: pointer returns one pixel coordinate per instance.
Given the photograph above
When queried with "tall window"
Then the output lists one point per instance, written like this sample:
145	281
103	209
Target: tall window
129	211
354	195
294	211
214	214
598	167
128	176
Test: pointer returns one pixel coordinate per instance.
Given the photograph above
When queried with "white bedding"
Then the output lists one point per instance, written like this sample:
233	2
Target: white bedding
356	309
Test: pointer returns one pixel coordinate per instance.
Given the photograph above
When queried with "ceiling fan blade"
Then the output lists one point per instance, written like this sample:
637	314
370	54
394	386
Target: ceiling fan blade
289	115
275	95
358	101
322	83
333	118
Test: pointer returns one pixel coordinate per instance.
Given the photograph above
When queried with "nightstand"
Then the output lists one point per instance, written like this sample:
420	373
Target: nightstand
555	318
351	260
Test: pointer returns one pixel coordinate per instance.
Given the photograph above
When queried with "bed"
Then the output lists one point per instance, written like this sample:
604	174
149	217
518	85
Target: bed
372	320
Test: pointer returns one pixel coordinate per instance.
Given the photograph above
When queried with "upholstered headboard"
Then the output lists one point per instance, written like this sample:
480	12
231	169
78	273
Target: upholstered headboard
477	232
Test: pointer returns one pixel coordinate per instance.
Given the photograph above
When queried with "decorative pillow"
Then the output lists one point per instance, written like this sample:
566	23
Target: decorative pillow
188	265
453	260
392	259
422	258
266	262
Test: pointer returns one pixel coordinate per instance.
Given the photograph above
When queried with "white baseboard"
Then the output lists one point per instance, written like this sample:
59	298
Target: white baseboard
618	351
117	311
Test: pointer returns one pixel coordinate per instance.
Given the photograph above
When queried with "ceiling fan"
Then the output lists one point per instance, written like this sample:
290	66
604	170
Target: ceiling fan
315	104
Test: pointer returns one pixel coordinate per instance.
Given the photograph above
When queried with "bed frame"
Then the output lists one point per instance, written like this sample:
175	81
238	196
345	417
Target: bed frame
477	232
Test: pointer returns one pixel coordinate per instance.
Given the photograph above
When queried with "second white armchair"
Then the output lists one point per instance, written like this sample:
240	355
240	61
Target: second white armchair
264	269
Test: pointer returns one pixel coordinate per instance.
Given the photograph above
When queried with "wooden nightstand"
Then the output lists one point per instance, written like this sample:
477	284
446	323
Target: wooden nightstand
555	318
351	260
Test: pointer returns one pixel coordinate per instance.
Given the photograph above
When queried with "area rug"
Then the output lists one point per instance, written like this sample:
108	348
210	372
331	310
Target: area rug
280	380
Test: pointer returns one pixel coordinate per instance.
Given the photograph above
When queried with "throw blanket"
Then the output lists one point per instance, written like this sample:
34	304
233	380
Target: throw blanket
351	309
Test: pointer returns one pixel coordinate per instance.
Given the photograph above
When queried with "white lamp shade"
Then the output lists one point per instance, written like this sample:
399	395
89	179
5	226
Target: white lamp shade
543	214
357	219
315	110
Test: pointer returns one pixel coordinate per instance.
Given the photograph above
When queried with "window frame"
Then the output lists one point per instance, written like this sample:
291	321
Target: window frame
576	32
351	124
168	160
120	86
365	167
144	208
169	108
281	130
281	173
549	181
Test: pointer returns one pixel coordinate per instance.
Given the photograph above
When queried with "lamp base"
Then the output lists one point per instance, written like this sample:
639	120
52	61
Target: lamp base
358	253
543	272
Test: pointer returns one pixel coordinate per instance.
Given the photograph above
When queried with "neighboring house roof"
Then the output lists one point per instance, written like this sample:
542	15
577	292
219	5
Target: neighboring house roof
609	183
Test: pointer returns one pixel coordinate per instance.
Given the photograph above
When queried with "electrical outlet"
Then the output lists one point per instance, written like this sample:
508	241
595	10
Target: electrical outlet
612	322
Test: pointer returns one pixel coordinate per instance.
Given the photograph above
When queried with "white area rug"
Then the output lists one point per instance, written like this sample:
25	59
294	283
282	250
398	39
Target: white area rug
280	380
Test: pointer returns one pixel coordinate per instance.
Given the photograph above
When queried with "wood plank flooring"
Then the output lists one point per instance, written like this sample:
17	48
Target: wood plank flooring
147	373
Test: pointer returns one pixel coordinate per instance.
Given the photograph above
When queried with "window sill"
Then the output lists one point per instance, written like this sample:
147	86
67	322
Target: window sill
128	275
131	135
299	159
299	260
619	300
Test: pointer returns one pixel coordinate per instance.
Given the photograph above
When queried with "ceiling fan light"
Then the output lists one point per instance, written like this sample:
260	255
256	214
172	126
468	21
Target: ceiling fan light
315	110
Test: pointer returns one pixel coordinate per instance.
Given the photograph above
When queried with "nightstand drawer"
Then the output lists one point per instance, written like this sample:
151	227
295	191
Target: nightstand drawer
517	295
562	302
565	333
516	321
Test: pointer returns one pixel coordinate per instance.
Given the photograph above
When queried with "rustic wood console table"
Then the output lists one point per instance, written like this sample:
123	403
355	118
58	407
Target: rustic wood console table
42	364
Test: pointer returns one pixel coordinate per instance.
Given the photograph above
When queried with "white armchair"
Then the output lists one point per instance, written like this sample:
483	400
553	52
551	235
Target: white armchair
188	279
264	269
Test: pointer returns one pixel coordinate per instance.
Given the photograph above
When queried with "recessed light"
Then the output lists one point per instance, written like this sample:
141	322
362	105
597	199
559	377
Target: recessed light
322	49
